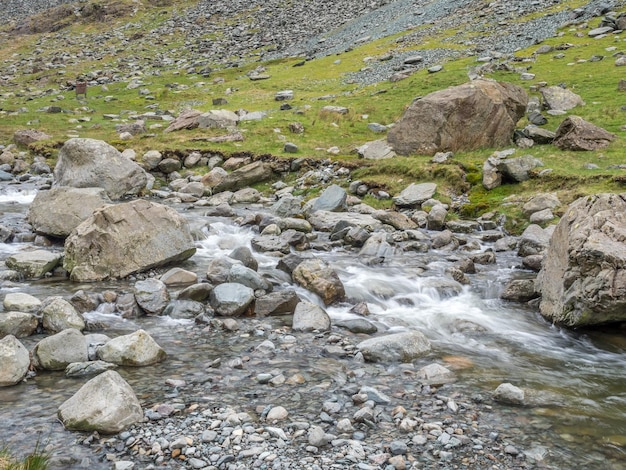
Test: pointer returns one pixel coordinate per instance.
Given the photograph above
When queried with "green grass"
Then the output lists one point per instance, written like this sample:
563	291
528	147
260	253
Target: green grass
383	102
35	461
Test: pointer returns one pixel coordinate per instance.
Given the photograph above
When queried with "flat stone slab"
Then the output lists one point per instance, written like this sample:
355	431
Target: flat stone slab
34	264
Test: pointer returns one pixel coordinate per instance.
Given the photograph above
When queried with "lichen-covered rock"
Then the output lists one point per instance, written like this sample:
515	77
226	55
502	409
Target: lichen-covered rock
583	279
318	277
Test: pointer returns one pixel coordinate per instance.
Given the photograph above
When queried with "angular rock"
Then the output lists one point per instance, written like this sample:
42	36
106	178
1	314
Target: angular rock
29	136
396	219
517	169
247	175
152	296
310	317
136	349
534	240
61	209
333	199
232	300
276	303
18	324
575	133
21	302
318	277
442	121
397	347
583	279
184	309
57	351
541	202
376	150
58	315
217	119
33	264
15	361
415	194
187	119
90	163
520	290
325	221
560	99
127	238
83	369
106	404
248	277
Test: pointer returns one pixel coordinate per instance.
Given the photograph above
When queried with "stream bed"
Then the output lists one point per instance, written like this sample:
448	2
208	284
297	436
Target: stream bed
575	380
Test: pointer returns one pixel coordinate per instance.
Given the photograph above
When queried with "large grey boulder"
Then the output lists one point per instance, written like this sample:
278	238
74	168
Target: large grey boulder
247	175
332	199
318	277
106	404
18	324
61	209
310	317
33	264
397	347
540	202
122	239
57	351
58	315
232	299
90	163
478	114
136	349
415	194
574	133
583	279
152	295
15	361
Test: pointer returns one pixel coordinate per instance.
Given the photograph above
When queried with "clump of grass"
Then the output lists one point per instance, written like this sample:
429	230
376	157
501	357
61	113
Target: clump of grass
37	460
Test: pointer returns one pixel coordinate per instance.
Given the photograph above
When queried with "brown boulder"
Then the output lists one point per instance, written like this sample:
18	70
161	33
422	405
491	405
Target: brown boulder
575	133
482	113
188	119
28	136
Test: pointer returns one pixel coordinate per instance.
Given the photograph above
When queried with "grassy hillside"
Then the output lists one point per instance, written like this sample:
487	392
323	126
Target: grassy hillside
37	67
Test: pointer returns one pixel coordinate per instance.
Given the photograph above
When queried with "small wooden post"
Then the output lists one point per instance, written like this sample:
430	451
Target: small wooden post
81	89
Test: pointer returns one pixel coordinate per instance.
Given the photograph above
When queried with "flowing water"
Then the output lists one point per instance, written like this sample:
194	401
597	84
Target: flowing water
575	381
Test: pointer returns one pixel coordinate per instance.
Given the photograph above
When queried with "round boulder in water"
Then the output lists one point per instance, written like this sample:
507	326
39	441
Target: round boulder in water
232	299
